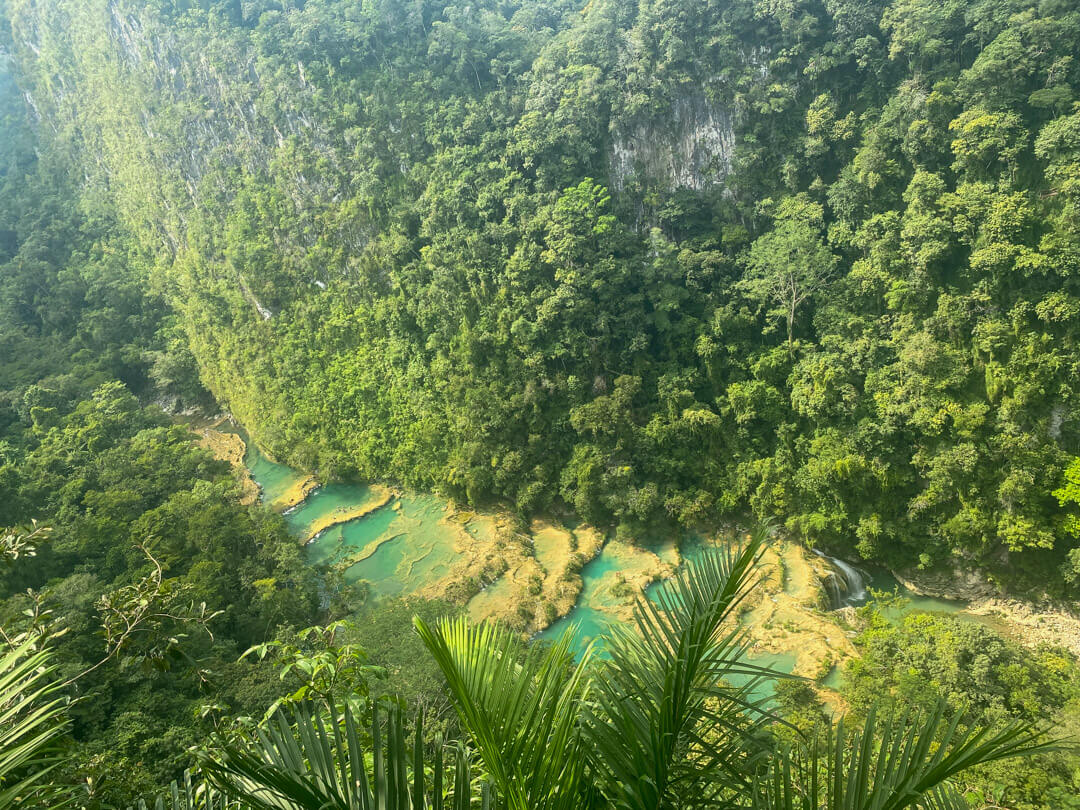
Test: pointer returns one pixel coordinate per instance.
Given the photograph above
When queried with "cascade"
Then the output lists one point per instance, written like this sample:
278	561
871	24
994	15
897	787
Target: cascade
848	585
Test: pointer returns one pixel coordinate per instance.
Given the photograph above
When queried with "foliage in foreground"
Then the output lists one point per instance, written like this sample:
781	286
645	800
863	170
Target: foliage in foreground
923	659
31	724
653	726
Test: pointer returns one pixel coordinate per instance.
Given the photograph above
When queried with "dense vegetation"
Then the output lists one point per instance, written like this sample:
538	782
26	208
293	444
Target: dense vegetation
654	725
124	494
656	260
151	577
924	658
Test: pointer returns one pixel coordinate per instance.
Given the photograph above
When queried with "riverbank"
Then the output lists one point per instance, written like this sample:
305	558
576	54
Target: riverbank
1031	624
958	585
219	435
295	495
380	497
226	445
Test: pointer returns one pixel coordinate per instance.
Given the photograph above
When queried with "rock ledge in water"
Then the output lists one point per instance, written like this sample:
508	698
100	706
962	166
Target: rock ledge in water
1034	625
961	585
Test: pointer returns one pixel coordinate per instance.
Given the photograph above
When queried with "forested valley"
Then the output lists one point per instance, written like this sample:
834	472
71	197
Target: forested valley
661	267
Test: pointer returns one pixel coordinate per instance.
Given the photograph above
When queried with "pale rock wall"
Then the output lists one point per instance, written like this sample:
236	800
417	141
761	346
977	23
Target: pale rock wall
693	150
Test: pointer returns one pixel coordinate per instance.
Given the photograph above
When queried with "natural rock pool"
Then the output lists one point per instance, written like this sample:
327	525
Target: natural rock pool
398	543
403	544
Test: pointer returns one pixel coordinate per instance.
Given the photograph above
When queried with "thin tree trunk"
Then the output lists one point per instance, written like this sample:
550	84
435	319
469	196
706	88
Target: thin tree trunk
791	329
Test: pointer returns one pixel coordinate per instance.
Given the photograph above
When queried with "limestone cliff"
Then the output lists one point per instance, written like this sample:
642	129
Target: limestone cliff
693	149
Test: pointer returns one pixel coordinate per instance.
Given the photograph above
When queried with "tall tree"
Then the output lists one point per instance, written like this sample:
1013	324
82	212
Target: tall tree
787	267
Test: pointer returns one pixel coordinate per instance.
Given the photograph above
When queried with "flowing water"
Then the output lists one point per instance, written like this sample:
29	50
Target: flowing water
274	479
408	543
398	547
852	587
847	586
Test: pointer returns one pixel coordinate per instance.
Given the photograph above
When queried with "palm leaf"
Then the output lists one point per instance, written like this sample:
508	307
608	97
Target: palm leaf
192	794
904	762
666	729
31	721
303	762
521	706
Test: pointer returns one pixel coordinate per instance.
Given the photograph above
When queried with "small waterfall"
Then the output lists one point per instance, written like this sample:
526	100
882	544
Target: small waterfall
853	579
847	586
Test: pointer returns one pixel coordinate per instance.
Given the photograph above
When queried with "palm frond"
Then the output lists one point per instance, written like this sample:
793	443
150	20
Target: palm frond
521	706
902	762
192	794
305	761
31	722
666	727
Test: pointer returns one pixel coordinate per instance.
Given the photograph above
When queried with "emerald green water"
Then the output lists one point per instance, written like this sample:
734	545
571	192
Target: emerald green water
914	603
588	615
413	546
325	500
274	479
346	538
410	543
405	545
593	621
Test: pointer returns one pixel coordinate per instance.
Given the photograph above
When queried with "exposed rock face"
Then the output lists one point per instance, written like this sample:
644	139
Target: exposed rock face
1033	625
212	116
1029	623
694	151
965	584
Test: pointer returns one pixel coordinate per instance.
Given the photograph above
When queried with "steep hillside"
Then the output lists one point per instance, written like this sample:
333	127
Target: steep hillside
656	260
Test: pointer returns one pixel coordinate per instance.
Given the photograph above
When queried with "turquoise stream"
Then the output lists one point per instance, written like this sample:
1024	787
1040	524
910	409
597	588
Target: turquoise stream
409	543
405	544
592	621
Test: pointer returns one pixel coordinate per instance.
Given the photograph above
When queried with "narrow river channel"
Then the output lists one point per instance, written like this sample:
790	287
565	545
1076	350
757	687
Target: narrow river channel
401	543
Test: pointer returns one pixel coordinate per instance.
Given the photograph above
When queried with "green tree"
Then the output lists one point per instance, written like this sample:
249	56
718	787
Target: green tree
1068	495
788	267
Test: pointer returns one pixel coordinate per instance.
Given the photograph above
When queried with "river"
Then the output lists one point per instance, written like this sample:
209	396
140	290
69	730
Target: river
402	543
399	543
